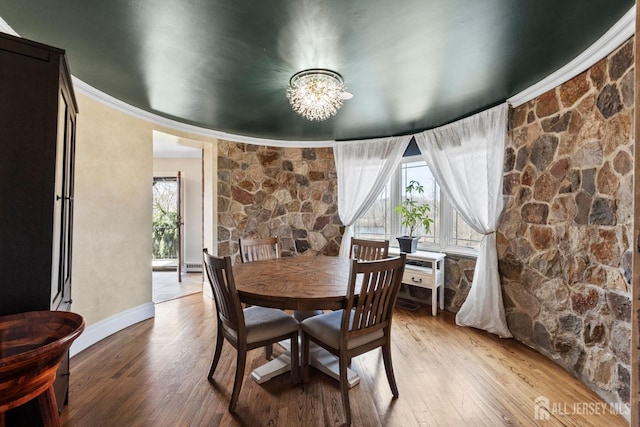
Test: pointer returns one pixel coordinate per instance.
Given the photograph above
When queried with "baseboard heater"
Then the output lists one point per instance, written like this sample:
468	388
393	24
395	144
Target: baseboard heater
193	267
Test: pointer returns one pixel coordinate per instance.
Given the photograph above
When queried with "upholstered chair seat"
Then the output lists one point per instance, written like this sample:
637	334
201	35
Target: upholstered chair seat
262	323
326	328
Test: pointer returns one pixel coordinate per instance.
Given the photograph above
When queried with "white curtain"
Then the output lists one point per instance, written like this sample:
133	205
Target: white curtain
466	159
363	169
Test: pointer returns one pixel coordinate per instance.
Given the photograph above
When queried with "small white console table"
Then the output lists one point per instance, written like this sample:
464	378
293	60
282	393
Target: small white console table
416	273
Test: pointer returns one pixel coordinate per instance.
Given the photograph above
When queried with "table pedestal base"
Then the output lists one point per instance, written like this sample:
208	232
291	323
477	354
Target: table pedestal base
319	358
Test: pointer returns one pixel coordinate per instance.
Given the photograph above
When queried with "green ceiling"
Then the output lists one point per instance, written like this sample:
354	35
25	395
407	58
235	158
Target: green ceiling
225	65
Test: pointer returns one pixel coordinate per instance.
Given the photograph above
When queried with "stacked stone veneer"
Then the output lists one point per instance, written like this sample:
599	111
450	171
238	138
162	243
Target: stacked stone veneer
284	192
565	238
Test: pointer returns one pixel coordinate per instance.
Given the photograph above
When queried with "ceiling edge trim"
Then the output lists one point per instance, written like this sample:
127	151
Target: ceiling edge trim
612	39
97	95
5	28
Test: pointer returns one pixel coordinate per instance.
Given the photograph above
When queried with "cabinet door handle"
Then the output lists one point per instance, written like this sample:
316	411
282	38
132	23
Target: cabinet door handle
69	301
413	279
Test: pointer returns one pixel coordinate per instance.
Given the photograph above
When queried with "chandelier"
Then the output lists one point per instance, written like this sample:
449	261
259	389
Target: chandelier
317	94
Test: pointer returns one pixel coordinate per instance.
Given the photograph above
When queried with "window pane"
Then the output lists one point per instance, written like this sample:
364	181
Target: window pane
462	234
380	221
375	224
418	171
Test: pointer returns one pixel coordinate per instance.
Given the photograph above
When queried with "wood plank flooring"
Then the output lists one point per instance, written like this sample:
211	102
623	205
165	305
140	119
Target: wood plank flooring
154	374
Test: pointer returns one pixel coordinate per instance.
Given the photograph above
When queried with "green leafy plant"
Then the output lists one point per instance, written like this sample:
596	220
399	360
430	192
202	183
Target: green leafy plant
412	212
165	219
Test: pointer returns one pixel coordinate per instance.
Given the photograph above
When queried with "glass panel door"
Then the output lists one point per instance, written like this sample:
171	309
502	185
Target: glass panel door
166	220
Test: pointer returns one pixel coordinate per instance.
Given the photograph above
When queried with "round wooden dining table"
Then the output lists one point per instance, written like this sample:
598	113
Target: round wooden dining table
294	283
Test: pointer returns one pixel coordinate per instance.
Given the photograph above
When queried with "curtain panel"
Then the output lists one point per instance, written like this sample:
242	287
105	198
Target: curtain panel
466	159
363	169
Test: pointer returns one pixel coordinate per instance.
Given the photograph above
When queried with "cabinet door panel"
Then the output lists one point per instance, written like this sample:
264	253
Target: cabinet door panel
26	187
58	242
67	230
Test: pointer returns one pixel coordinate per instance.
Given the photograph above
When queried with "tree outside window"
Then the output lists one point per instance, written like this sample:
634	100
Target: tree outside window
449	232
165	218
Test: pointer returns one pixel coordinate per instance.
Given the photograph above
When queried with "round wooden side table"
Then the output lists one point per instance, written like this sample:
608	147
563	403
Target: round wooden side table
32	346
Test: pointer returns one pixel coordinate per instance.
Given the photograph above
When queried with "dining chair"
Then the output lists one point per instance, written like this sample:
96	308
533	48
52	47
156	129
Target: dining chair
245	329
259	249
368	250
363	325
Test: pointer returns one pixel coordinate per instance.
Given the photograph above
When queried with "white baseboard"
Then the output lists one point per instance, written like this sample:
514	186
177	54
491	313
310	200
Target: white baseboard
99	331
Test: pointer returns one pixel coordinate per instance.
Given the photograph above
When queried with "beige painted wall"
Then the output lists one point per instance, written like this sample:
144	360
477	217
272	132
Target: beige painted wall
112	218
113	210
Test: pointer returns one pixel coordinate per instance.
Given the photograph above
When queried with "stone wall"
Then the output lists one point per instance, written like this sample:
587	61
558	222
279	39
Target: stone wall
564	242
284	192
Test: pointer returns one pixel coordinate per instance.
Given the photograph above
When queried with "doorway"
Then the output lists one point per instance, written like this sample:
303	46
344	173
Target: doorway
177	231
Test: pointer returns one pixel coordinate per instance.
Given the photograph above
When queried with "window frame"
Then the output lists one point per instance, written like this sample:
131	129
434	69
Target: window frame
445	226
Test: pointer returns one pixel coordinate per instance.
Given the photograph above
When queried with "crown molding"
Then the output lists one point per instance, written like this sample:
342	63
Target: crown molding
5	28
618	34
97	95
612	39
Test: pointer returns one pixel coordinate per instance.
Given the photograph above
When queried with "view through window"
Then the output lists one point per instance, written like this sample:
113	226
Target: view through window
165	218
448	233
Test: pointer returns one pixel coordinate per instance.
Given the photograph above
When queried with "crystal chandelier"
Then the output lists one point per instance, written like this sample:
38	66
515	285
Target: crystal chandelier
317	94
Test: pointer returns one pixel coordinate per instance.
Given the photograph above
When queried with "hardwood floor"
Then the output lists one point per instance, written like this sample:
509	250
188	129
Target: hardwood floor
155	374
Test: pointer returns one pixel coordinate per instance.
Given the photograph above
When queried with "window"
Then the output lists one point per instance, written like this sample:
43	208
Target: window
449	232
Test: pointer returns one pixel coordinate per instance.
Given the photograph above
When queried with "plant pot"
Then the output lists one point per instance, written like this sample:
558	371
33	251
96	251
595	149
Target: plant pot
408	244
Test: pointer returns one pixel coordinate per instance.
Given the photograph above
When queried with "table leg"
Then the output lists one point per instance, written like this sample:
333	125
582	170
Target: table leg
319	358
49	408
434	301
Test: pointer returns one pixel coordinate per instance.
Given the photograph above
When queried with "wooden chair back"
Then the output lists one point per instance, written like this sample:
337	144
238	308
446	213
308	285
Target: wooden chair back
220	275
379	283
259	249
368	250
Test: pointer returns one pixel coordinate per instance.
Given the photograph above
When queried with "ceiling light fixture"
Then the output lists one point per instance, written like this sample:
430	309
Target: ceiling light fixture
317	94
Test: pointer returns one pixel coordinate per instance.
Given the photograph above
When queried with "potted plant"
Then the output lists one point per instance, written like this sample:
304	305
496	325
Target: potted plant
413	214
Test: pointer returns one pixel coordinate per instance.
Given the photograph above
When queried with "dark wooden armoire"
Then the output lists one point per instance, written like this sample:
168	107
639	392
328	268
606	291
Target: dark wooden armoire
37	141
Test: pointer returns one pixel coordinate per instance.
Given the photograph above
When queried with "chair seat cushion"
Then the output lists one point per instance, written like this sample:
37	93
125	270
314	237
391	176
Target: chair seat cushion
264	323
300	315
326	328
